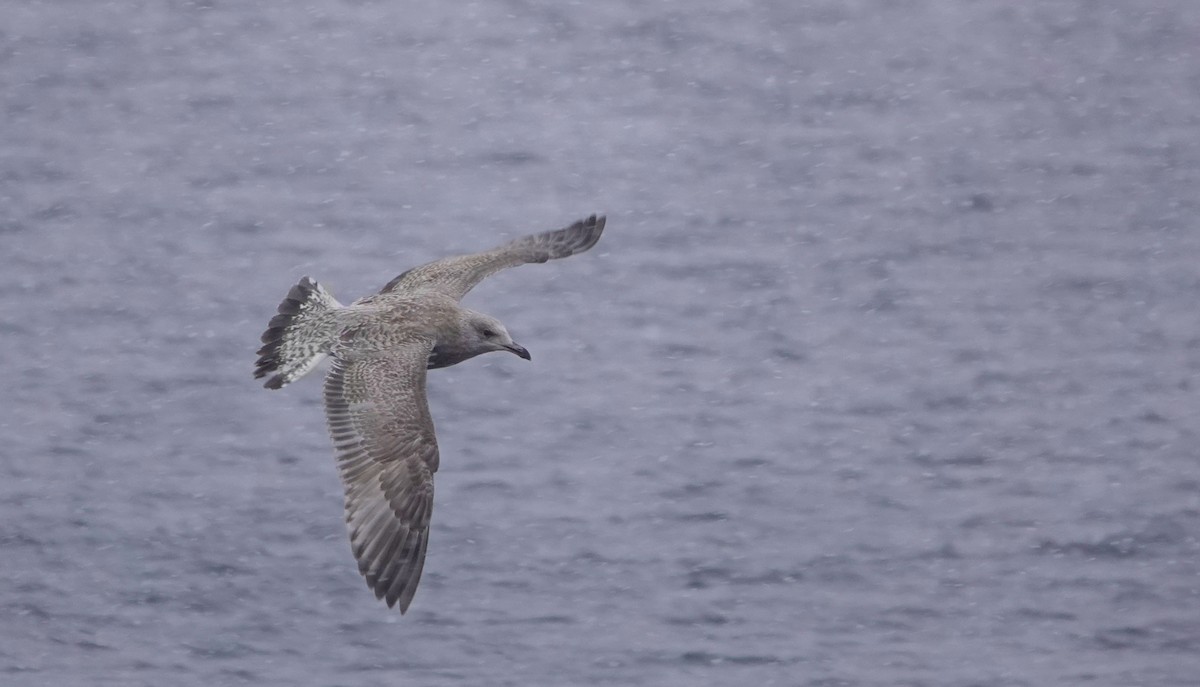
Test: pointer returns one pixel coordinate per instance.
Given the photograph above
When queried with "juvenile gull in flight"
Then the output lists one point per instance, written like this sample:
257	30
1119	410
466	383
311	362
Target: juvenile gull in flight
375	401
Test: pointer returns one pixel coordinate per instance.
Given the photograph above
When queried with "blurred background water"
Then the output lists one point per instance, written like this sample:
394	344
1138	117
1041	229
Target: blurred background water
884	373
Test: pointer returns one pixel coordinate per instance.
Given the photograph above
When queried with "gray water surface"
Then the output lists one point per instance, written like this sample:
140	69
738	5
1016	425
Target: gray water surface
884	373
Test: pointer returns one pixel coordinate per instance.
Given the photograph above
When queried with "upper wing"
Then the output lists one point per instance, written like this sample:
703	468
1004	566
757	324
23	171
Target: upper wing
387	454
457	275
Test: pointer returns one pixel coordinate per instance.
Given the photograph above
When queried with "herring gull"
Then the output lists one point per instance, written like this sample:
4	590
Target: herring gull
374	392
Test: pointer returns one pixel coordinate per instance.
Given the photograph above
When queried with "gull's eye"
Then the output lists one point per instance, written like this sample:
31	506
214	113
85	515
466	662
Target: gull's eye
487	333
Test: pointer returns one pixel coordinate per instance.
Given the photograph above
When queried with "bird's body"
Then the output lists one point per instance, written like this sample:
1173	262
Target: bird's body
375	404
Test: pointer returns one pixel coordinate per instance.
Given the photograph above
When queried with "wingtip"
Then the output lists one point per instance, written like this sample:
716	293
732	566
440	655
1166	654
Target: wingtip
398	600
597	222
592	227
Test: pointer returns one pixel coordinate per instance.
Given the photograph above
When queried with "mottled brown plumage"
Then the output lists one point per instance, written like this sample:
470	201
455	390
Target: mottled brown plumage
379	420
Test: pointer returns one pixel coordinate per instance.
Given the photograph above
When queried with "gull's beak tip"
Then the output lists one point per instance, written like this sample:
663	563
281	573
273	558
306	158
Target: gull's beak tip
521	351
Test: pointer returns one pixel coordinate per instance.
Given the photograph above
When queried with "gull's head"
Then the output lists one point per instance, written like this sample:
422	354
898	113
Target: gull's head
488	334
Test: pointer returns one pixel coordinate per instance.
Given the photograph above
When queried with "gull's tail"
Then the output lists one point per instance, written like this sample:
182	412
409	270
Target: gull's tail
300	336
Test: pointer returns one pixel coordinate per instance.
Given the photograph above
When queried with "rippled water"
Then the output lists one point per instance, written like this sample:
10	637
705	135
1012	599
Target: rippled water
885	372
